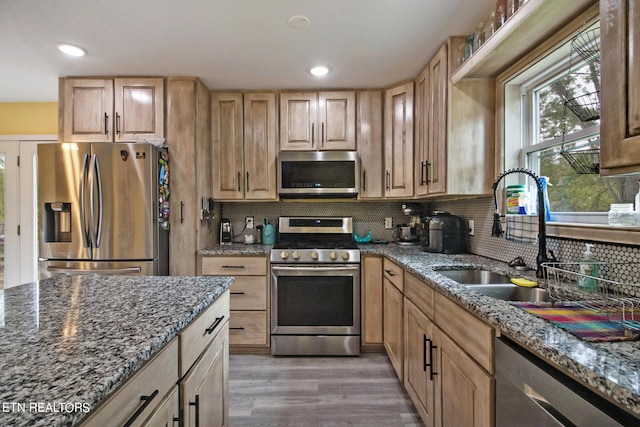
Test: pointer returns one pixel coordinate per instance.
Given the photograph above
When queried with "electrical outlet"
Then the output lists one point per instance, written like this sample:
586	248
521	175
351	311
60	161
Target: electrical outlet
388	222
472	227
249	222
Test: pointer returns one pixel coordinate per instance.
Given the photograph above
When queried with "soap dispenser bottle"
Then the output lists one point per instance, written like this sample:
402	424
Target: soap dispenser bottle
588	267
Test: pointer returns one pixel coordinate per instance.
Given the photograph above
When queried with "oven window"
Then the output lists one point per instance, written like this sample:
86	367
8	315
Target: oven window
320	174
315	301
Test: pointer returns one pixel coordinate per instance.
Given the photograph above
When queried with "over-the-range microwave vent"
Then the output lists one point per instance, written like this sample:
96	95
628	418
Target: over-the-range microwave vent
318	174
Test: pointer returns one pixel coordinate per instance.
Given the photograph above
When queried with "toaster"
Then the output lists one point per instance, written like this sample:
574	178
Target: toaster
442	233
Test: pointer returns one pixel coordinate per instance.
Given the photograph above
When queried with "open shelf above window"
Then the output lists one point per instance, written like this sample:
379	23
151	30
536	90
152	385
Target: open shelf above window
528	27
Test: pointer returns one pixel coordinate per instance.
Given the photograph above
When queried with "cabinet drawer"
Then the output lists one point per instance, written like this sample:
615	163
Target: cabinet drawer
234	266
249	293
195	338
470	333
419	293
248	328
123	404
394	273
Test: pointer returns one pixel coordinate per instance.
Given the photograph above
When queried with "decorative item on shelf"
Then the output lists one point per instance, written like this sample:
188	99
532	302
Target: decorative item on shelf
500	13
583	161
365	239
587	45
468	47
586	107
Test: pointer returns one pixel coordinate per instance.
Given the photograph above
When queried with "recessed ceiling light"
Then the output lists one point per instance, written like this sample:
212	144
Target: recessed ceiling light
319	70
71	50
299	22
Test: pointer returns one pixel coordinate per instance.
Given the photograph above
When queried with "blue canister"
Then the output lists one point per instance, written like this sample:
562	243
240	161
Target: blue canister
268	233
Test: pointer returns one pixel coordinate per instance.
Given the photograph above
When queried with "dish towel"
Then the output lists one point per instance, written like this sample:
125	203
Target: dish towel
586	324
522	229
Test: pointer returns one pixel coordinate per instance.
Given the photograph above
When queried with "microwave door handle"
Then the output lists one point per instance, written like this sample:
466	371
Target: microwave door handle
313	269
313	133
83	212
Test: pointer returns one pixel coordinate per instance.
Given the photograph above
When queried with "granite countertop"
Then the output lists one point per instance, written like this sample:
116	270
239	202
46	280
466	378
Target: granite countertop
613	368
76	339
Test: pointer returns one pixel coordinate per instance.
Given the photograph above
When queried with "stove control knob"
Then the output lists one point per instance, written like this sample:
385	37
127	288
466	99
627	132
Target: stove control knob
295	255
333	255
345	256
314	255
284	254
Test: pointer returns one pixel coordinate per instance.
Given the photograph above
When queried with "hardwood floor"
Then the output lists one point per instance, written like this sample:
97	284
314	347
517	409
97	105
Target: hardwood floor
317	391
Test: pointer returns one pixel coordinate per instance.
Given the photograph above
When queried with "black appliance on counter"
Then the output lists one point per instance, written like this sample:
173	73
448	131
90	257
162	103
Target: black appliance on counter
442	233
315	288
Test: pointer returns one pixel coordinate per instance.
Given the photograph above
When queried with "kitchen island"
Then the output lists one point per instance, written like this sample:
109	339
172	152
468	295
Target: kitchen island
67	343
609	368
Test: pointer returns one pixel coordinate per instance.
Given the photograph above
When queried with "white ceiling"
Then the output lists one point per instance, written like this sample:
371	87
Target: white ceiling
229	44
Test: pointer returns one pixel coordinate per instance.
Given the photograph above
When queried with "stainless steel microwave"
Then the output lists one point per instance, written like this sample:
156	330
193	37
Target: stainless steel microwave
318	174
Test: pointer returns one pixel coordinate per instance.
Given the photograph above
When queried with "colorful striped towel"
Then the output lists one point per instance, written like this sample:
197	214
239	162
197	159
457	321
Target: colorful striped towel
586	324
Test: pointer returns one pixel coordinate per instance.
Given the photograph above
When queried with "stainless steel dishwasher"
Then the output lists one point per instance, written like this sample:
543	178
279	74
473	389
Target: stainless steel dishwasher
531	393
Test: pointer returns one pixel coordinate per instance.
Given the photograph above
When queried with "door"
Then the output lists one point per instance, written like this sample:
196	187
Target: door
62	207
369	136
393	338
260	148
399	141
139	108
437	126
337	117
9	212
227	145
87	110
124	211
298	127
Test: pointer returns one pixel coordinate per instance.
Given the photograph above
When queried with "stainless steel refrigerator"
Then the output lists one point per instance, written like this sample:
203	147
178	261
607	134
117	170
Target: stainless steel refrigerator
98	210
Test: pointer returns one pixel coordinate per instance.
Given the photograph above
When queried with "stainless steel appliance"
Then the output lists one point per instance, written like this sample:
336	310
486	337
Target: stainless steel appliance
442	233
318	174
226	232
98	210
315	288
530	392
409	233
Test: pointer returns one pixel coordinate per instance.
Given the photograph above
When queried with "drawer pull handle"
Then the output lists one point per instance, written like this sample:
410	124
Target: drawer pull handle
237	329
429	365
177	419
211	328
146	401
237	293
390	273
233	266
197	407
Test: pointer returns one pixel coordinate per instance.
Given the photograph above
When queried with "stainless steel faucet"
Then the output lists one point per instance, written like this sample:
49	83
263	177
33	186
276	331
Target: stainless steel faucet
496	230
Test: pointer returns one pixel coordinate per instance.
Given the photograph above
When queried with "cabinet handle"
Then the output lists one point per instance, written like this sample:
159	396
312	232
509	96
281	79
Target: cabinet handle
313	133
146	400
422	174
390	273
247	183
238	180
212	328
323	134
364	180
117	124
181	212
237	293
426	172
178	419
196	404
432	373
388	179
233	266
106	124
237	329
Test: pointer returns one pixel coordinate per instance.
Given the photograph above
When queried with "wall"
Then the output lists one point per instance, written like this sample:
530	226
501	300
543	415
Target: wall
28	118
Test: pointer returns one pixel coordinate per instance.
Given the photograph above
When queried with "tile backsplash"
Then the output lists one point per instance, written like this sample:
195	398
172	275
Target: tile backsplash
370	216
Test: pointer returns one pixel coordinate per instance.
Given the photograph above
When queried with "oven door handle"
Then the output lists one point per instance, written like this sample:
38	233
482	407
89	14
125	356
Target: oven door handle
314	269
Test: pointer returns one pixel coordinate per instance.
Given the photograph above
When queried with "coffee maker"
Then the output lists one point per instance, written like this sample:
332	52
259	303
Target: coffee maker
409	233
226	232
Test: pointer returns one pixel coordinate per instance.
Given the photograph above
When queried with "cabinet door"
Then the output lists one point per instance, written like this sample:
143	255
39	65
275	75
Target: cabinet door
465	390
399	141
369	135
139	108
260	146
620	96
423	110
337	120
227	144
419	361
298	127
437	123
87	110
371	301
166	413
205	389
392	302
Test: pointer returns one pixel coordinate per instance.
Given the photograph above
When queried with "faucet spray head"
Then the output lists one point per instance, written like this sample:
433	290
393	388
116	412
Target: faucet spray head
496	229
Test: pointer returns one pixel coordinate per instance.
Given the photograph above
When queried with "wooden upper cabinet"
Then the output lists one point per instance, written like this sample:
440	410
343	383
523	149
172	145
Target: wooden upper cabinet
436	163
620	91
260	146
227	144
243	136
422	105
317	121
398	141
110	110
369	135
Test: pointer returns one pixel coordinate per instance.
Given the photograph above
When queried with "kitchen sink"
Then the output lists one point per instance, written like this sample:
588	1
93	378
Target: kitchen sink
476	277
495	285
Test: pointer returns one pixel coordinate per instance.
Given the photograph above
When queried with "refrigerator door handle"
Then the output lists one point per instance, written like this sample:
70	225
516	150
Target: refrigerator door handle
83	213
78	271
95	179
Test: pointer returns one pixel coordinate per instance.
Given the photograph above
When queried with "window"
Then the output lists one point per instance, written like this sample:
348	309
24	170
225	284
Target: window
562	141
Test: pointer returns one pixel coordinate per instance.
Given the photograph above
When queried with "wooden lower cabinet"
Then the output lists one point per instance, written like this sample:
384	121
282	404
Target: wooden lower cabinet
167	412
371	305
393	337
205	389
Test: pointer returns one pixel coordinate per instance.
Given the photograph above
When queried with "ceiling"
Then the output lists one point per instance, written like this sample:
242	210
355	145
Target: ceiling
229	44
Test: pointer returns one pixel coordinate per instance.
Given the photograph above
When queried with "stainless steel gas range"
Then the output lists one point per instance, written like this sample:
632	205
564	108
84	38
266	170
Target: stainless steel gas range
315	288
